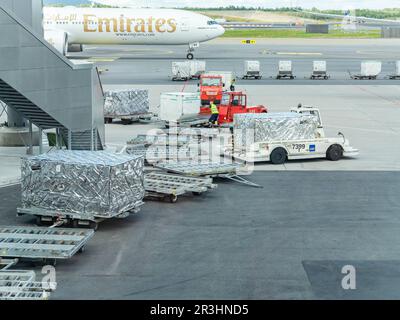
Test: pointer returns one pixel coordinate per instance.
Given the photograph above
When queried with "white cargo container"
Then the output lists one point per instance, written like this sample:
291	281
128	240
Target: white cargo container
319	66
319	70
285	66
181	70
197	68
252	70
179	106
186	70
227	77
398	68
371	68
285	69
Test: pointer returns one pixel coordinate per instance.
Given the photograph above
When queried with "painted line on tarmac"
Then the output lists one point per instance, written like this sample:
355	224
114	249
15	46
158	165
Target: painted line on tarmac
300	53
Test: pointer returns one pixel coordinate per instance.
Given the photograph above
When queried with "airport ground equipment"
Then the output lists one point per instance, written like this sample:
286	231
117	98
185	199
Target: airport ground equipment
227	77
22	285
211	87
163	139
176	107
252	70
396	75
42	244
207	168
235	103
197	133
278	137
370	70
285	70
187	70
161	185
156	153
319	71
127	105
82	187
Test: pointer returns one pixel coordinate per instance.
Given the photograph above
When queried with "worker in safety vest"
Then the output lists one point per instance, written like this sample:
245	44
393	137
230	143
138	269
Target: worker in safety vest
214	113
233	83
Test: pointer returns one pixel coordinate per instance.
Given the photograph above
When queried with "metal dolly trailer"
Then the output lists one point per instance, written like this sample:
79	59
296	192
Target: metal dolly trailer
319	75
362	77
256	75
200	122
77	220
164	154
45	244
162	140
285	75
169	186
129	119
394	77
223	170
22	285
196	133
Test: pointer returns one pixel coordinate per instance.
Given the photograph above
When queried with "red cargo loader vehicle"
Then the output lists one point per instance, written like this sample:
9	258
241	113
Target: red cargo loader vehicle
211	88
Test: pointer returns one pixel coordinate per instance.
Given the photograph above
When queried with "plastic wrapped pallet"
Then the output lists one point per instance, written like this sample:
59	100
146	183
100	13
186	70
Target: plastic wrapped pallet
250	128
126	102
88	183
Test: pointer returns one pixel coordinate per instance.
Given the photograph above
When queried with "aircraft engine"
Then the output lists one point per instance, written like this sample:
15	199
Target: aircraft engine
58	39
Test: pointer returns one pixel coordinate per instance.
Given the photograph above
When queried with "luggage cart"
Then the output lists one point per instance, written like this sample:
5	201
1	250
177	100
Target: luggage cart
169	186
225	170
42	244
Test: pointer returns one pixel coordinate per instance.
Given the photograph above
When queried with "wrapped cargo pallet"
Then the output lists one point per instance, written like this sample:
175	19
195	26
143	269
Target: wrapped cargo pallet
126	103
87	184
250	128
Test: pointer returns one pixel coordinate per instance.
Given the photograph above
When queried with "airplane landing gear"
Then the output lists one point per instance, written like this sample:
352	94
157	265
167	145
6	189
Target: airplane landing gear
192	46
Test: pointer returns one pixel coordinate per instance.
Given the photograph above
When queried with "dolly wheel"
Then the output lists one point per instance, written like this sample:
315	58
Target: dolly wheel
334	153
93	225
39	221
173	198
278	156
190	56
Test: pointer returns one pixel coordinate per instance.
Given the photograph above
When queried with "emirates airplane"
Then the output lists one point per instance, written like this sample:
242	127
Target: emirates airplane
68	28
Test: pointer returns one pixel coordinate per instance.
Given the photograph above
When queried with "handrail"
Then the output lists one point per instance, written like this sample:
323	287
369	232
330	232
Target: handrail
44	42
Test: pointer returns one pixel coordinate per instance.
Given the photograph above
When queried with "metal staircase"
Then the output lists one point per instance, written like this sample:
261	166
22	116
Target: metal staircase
44	86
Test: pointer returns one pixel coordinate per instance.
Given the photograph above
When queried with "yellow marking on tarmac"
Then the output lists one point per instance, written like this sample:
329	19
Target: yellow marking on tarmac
100	59
249	42
300	53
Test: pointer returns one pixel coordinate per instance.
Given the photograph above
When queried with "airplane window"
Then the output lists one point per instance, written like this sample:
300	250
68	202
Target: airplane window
212	22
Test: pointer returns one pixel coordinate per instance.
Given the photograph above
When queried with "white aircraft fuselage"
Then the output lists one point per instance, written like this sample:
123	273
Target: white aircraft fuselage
118	26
